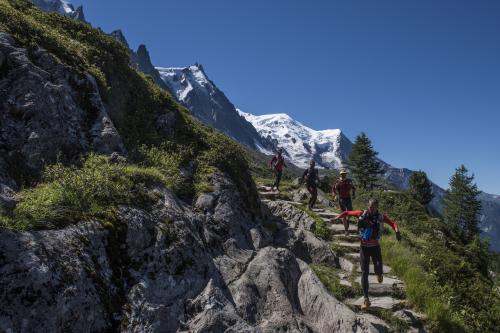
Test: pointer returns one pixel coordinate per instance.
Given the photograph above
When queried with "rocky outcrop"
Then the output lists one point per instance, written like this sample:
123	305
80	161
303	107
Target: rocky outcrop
140	59
49	113
169	269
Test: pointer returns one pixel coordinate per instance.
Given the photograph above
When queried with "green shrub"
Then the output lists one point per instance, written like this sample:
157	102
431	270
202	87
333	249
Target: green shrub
70	194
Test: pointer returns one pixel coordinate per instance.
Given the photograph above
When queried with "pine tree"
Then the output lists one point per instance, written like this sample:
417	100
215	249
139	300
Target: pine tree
363	163
462	206
420	187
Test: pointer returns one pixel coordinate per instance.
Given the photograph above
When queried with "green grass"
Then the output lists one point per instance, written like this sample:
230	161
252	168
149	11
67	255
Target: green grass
339	250
330	279
320	228
71	194
421	288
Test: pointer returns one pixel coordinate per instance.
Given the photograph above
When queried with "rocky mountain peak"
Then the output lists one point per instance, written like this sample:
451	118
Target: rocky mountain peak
119	36
78	14
193	88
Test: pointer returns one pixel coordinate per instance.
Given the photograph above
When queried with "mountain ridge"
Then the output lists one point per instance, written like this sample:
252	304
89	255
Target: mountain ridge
193	89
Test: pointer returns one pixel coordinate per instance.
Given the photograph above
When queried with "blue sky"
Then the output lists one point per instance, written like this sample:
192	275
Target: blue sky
421	78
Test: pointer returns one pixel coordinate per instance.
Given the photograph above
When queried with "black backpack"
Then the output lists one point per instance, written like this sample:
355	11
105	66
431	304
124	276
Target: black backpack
311	175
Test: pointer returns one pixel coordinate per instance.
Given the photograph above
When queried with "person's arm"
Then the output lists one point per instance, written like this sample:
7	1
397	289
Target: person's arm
272	161
394	226
334	188
304	174
349	213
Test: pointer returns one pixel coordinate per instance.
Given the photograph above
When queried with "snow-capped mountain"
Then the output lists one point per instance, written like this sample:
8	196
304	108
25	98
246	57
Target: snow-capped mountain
329	148
192	88
62	7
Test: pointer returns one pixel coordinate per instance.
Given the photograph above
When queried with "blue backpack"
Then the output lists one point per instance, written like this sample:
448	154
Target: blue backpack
370	226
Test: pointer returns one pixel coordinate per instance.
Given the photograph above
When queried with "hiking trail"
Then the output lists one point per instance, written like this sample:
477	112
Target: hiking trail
388	299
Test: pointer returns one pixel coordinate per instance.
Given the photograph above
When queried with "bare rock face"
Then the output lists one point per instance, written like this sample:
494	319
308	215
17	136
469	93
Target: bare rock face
48	112
168	269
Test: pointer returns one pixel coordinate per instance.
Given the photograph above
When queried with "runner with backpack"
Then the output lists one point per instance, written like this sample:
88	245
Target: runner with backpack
311	179
370	227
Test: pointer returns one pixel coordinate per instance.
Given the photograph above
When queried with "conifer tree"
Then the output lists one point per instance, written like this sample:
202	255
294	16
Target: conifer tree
462	206
363	163
420	187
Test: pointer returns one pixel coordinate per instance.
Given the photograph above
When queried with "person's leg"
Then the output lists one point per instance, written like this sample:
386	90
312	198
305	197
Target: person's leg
309	189
314	195
278	179
364	258
345	220
378	265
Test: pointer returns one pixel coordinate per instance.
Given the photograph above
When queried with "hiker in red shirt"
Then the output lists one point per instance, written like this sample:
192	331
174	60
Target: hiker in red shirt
278	163
342	189
370	227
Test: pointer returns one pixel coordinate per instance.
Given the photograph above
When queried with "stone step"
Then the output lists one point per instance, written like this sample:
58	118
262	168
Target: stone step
387	269
265	188
355	256
382	302
295	203
349	245
327	214
351	238
318	210
269	194
390	281
339	229
380	289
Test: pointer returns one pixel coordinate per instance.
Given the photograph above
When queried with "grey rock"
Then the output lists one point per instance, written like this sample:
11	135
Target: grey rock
7	198
294	232
50	113
206	202
409	316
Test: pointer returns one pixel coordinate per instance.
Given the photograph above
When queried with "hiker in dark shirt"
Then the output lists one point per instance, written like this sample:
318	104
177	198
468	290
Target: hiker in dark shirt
311	179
